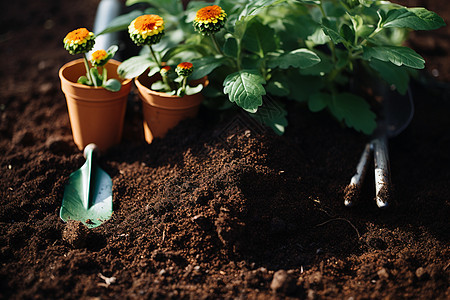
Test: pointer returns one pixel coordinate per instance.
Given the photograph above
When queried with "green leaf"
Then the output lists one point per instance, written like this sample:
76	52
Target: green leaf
330	29
205	65
395	54
96	77
255	7
316	2
230	47
121	22
191	90
135	66
299	58
113	85
348	33
173	7
273	114
301	87
354	111
277	87
323	67
318	101
245	88
259	38
413	18
83	80
395	75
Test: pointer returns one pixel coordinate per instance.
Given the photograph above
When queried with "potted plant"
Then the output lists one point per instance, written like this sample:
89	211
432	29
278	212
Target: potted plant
96	95
166	93
310	51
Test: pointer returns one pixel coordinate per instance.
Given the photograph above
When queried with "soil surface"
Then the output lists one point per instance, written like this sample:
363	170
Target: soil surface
216	209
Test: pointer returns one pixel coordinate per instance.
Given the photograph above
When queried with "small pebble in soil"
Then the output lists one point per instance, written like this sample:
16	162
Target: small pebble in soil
75	234
383	274
282	282
422	274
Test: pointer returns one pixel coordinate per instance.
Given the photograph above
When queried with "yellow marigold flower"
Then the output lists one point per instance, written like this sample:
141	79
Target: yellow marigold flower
79	41
146	29
210	19
99	58
185	69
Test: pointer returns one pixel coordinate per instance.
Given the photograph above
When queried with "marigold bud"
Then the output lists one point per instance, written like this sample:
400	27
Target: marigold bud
185	69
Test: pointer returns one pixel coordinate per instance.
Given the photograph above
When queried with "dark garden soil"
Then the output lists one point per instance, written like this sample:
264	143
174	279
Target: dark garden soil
216	209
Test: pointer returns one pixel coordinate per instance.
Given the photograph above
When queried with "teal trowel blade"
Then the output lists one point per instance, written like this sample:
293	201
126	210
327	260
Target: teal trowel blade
88	193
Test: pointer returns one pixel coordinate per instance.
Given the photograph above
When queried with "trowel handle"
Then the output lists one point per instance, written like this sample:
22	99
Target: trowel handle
382	171
353	190
89	150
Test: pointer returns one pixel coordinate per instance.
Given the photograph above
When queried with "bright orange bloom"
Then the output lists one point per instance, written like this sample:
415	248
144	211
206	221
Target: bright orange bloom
146	29
78	36
98	57
210	14
79	41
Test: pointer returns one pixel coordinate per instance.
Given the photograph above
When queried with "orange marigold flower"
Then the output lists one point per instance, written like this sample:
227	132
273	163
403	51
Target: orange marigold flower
146	29
99	57
79	41
210	19
184	69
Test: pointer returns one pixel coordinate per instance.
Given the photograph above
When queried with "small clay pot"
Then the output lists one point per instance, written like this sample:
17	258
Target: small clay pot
96	114
161	111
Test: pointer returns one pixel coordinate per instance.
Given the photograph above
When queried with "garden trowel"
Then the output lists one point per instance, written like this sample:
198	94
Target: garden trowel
88	194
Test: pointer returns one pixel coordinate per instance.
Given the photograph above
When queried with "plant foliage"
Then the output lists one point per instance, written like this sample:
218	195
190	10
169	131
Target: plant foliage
303	50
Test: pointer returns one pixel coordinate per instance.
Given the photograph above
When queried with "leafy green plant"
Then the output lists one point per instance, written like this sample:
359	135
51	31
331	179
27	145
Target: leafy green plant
81	41
310	51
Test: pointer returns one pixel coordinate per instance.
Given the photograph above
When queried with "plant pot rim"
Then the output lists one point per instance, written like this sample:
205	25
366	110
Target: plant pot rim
139	84
83	86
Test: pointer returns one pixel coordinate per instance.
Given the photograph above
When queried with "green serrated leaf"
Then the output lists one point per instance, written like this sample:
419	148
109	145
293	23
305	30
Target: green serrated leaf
302	87
354	111
259	38
205	65
319	101
135	66
398	76
299	58
330	29
245	88
395	54
113	85
413	18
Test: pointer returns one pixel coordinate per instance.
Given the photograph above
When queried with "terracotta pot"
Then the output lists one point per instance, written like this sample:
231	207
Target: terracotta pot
96	114
162	111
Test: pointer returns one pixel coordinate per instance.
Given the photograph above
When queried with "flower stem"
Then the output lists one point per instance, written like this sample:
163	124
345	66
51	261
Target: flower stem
154	56
88	71
104	75
213	38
